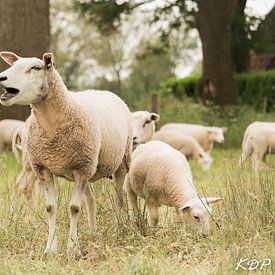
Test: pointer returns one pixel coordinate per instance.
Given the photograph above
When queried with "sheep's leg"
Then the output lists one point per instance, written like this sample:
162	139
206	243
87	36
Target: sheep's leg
81	183
131	199
91	206
30	181
46	179
20	185
256	164
153	217
119	178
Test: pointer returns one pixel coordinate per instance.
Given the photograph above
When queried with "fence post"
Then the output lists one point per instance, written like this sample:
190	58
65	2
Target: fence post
154	103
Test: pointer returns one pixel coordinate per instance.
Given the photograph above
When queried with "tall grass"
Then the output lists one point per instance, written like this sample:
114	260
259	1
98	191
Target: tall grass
242	227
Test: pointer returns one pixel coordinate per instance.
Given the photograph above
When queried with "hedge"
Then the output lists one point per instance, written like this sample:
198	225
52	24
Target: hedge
251	88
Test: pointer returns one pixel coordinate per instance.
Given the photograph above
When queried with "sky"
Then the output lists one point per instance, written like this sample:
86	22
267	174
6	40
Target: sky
259	7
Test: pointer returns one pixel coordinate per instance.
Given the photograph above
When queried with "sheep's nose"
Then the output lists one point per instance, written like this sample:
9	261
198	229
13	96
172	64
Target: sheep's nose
134	138
3	78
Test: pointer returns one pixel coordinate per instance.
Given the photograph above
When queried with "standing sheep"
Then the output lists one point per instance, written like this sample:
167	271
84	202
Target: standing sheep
7	129
82	136
258	141
187	145
204	135
161	175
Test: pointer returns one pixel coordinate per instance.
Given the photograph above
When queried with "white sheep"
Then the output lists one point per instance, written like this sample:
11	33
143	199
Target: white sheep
161	175
205	135
187	145
82	136
144	125
7	129
258	141
27	178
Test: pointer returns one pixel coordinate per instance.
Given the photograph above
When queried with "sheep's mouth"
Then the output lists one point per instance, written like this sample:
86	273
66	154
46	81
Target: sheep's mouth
9	93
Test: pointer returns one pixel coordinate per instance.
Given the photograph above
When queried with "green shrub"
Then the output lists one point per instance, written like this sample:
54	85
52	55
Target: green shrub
251	88
190	86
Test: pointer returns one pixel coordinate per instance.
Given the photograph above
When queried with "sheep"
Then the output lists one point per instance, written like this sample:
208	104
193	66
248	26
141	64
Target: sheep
7	129
83	136
258	141
161	175
187	145
205	135
143	126
27	178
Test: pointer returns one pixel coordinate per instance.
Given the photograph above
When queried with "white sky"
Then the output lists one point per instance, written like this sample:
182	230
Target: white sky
259	7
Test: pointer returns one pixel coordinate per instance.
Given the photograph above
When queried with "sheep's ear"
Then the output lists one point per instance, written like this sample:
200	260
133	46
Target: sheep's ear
224	129
154	117
212	200
48	60
185	208
9	57
19	147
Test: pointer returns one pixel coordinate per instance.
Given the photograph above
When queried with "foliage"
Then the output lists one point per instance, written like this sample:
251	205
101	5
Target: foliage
190	86
257	89
152	63
263	39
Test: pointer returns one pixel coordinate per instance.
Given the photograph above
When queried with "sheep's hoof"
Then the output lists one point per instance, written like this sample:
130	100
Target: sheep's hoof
52	248
49	251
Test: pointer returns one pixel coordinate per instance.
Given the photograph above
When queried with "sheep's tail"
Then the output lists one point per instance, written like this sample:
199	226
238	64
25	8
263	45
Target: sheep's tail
17	144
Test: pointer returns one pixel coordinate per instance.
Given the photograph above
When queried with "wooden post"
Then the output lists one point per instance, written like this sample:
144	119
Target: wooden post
154	103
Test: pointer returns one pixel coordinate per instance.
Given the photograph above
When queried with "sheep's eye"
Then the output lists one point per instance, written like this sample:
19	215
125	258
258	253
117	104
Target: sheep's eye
146	122
36	68
197	218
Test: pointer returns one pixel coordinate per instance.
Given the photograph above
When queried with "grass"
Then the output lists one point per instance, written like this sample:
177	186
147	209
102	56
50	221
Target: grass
242	227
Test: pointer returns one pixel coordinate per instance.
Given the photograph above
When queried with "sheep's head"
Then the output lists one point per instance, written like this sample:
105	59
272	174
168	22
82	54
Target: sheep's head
216	133
196	212
204	160
25	82
143	126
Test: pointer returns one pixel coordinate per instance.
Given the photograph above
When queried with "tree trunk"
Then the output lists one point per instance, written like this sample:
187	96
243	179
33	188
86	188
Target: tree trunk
240	47
25	30
214	23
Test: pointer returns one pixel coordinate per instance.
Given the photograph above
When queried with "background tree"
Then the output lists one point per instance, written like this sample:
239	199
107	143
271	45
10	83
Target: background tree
25	30
151	65
215	21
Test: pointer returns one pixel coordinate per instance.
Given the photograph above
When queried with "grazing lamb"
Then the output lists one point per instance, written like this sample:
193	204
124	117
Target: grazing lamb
143	126
7	129
187	145
204	135
82	136
258	141
161	175
27	179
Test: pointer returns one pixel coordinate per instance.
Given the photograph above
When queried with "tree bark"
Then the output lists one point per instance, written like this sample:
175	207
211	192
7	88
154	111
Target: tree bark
240	47
214	23
25	30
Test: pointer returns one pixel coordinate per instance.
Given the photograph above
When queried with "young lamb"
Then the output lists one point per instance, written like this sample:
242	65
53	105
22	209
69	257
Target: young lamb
82	136
204	135
144	125
160	174
7	129
27	179
187	145
258	141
